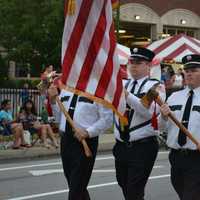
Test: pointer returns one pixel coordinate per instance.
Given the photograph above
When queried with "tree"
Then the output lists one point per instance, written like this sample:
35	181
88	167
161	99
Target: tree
31	31
3	69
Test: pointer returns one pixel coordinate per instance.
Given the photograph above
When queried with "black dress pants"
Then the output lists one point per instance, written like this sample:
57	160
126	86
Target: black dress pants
133	165
185	173
77	167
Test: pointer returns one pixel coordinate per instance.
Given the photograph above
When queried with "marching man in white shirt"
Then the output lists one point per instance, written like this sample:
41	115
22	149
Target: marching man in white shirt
136	145
90	120
185	155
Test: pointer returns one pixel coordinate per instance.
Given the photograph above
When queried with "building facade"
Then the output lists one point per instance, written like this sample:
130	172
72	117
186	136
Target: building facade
144	21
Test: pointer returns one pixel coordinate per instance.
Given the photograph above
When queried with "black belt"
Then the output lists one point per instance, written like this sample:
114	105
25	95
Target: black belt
132	143
185	151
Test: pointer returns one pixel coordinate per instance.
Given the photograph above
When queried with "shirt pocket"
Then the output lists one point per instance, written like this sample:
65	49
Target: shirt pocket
177	110
64	98
176	107
196	108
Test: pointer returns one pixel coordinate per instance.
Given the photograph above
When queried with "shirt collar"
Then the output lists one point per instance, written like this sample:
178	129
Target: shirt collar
196	91
139	81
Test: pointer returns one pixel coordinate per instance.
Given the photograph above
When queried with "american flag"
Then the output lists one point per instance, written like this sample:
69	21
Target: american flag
89	58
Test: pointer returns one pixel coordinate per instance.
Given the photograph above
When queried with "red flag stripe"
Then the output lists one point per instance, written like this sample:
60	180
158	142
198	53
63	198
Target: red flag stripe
108	68
65	7
111	90
93	51
102	56
119	89
75	38
69	25
85	43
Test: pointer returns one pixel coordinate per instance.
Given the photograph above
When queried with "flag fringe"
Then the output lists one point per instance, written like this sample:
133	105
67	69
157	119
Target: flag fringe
71	7
115	5
123	119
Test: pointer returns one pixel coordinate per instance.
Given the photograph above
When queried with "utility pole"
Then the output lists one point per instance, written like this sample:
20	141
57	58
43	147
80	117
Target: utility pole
118	21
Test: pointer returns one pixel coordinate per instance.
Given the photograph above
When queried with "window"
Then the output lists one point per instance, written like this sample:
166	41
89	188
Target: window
171	31
178	30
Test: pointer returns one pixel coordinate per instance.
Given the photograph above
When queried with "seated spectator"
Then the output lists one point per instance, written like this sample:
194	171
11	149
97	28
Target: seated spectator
28	117
10	126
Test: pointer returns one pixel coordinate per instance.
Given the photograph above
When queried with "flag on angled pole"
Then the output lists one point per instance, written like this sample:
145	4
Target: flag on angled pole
90	65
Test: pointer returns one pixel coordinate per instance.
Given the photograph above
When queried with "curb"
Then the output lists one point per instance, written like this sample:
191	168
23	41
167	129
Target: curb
41	152
105	144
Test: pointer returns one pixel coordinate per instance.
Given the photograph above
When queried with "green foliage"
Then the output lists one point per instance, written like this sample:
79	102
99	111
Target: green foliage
6	83
3	69
31	31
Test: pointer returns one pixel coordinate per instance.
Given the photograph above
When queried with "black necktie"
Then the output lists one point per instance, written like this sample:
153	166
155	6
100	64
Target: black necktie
133	87
71	110
182	136
129	113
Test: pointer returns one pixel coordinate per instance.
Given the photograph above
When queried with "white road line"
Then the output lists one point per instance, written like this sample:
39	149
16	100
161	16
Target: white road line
47	164
104	158
89	187
56	171
30	166
45	172
163	152
158	166
57	163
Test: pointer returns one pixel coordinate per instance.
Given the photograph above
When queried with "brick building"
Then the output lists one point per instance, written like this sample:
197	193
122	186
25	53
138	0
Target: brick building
143	21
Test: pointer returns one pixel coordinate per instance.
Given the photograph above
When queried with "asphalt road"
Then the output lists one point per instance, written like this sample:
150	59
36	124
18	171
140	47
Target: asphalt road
44	180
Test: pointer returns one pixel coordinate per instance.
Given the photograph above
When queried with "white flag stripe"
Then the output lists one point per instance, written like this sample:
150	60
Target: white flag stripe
113	84
97	71
82	52
101	57
122	106
70	22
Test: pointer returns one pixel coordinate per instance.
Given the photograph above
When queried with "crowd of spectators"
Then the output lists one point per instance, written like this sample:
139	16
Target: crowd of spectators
25	121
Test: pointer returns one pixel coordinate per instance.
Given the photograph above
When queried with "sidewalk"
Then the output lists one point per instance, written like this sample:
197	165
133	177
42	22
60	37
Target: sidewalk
106	143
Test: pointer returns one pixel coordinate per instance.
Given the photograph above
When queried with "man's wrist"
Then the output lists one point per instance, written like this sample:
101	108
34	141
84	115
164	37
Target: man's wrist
87	135
52	100
164	117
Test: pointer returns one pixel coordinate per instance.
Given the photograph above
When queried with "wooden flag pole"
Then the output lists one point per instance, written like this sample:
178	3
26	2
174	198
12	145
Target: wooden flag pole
87	150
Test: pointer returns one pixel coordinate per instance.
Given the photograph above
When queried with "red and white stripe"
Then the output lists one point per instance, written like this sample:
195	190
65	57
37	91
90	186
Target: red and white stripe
175	47
89	54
